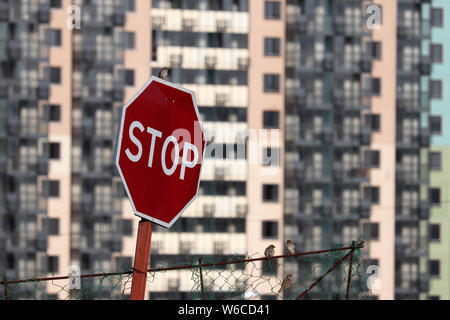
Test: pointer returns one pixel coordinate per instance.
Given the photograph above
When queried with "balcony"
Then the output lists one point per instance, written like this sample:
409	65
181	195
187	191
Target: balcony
15	49
210	62
410	248
407	214
176	60
351	175
410	104
410	31
350	100
411	175
308	138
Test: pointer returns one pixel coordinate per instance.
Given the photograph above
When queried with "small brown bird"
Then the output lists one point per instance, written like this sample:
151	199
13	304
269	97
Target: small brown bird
286	283
164	74
270	251
291	247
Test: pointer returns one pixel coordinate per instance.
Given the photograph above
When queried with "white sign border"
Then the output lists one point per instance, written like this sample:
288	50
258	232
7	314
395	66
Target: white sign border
119	142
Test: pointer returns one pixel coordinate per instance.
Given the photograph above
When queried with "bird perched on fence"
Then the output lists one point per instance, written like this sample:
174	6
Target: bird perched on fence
270	251
164	74
291	247
286	283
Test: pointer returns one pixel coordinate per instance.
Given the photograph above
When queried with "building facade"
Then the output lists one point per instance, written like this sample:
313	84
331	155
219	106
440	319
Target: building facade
325	124
439	153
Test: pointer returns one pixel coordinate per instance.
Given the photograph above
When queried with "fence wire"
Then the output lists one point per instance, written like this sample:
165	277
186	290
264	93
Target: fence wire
335	273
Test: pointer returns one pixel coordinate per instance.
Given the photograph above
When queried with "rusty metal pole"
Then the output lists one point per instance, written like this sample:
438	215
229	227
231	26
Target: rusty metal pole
141	260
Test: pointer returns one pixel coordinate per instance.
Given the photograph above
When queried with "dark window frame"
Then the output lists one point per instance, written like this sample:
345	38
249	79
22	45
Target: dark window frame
439	156
272	10
441	49
432	82
270	189
437	230
432	21
269	229
435	265
438	194
272	46
438	132
268	116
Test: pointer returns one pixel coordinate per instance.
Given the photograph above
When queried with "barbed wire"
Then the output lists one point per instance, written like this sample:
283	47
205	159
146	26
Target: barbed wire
334	273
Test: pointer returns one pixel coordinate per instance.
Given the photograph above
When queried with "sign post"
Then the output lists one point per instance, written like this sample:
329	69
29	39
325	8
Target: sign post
141	259
159	155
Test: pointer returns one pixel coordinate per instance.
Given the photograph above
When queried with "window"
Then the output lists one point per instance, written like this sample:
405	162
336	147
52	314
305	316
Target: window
437	17
130	5
129	77
372	194
55	3
435	266
375	122
271	83
271	156
375	50
270	193
51	226
435	196
52	264
272	10
54	112
372	158
124	263
375	87
53	186
271	119
272	46
436	53
54	150
435	232
130	40
371	230
215	5
10	261
435	160
270	229
55	75
126	226
436	125
54	37
436	89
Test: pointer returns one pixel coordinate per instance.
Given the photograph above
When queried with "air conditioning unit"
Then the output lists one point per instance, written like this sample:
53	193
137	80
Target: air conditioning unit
219	173
173	284
221	99
188	24
243	63
208	210
175	60
210	62
222	25
158	22
241	210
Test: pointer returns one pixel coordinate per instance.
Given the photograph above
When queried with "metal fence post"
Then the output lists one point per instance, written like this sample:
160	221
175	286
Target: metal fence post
201	278
5	287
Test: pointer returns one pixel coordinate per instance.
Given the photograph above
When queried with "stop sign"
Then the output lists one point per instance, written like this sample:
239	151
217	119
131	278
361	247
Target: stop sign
160	148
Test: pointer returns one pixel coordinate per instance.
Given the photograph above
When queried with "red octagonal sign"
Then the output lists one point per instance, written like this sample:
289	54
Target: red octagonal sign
160	148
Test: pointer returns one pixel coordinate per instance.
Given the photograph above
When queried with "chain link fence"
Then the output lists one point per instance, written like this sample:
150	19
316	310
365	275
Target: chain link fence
335	273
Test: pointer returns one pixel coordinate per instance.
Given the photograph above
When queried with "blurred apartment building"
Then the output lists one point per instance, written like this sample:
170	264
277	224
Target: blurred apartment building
352	109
